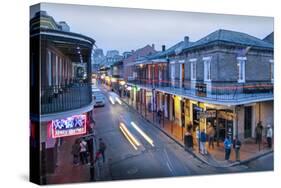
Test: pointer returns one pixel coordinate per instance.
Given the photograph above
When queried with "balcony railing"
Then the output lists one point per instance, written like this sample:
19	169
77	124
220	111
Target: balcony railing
62	98
225	91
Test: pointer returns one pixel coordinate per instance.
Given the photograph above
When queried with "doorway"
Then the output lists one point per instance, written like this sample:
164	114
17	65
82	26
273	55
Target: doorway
248	122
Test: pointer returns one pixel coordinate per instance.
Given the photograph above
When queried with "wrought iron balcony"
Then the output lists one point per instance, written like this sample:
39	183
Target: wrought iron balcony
219	91
60	98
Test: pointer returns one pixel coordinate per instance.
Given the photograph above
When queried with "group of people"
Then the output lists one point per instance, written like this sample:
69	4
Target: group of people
203	136
228	144
82	149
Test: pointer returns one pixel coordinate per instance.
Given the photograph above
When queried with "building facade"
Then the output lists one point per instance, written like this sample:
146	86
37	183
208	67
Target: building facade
60	89
225	79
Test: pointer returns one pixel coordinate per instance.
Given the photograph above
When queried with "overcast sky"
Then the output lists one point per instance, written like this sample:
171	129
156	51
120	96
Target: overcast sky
125	29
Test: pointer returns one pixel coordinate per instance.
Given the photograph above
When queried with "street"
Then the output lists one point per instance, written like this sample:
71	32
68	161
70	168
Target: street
164	159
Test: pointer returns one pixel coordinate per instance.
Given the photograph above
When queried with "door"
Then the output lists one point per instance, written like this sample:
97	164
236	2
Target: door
248	122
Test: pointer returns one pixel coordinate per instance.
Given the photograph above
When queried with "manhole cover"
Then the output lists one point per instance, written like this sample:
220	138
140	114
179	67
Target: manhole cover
132	171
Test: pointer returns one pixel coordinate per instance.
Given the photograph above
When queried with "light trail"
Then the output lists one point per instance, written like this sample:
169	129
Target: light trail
127	137
147	138
111	100
134	142
118	100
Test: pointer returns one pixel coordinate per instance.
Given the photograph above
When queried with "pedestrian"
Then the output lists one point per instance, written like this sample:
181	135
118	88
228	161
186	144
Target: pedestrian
102	148
227	146
236	146
203	139
98	159
197	132
211	135
75	152
159	114
258	131
83	152
269	134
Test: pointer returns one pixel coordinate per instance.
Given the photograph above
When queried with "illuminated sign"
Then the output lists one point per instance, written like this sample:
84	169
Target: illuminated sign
74	125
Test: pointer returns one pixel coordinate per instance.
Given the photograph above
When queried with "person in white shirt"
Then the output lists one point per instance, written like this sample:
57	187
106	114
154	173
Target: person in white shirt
83	152
269	135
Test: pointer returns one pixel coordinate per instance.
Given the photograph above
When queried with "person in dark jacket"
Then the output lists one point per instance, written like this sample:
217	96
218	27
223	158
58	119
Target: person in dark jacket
203	139
76	151
102	148
258	130
236	146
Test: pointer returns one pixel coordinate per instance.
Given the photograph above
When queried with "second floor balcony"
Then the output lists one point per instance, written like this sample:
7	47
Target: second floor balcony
221	92
61	98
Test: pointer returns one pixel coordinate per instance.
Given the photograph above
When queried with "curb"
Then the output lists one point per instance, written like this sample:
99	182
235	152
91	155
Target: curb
195	154
256	157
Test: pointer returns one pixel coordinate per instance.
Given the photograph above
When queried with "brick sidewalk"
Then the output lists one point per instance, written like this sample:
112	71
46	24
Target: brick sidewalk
66	172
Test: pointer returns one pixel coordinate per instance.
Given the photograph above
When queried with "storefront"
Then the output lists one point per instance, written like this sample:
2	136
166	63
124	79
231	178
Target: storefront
53	133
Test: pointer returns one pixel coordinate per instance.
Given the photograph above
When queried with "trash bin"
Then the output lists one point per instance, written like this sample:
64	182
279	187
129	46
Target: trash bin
188	141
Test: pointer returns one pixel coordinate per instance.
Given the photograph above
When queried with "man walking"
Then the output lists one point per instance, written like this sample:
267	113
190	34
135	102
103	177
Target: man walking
227	146
102	148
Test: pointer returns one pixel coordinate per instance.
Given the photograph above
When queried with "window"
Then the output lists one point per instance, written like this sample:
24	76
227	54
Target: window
193	69
49	68
207	68
241	69
271	70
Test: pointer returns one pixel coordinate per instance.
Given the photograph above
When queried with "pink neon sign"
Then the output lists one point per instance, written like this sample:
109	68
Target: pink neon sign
74	125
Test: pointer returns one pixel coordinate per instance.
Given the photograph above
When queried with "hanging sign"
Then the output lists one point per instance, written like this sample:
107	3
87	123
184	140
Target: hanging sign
74	125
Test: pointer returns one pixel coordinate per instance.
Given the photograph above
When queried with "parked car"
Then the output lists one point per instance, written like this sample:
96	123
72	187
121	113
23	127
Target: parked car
98	97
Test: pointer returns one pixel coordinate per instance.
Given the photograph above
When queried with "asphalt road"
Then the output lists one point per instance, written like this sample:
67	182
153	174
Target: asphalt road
165	159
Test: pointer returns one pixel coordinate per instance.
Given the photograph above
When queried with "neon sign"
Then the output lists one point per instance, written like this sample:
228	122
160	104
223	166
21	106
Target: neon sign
74	125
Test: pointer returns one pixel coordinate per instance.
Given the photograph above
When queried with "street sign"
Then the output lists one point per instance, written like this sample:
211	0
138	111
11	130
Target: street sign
207	114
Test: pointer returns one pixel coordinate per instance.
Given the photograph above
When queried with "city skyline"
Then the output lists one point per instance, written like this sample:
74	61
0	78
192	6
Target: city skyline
144	26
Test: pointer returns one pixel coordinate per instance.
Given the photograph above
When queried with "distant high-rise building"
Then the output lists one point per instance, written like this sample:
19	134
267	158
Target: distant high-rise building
64	26
112	53
98	53
127	54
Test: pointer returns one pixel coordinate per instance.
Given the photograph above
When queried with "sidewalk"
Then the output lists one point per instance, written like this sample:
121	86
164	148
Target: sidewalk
215	157
65	171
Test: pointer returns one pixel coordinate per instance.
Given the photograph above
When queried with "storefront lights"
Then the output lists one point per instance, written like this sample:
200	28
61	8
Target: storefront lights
122	82
113	80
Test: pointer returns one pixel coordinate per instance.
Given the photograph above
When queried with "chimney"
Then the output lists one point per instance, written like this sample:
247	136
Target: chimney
163	48
186	39
153	46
